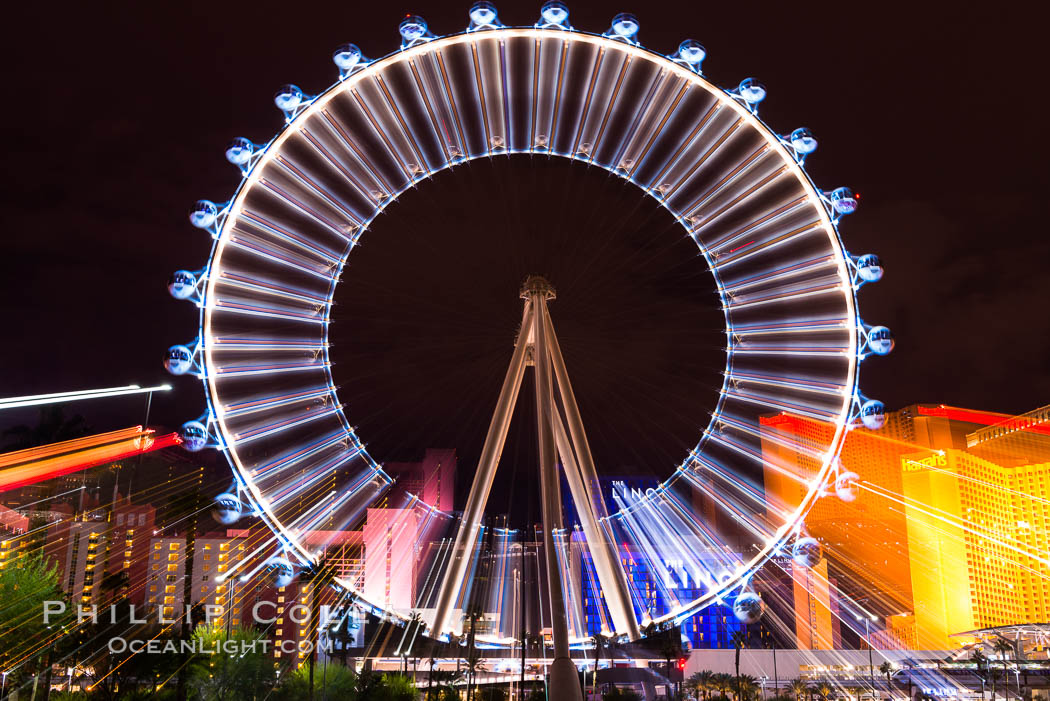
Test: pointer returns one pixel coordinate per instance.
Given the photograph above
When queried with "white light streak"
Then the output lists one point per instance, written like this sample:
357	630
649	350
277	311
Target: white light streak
78	395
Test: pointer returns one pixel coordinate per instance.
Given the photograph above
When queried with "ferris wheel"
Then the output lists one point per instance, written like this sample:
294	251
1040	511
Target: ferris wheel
769	237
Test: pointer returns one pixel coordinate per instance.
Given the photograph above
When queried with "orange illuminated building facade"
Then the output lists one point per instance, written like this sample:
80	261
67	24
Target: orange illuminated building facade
949	528
868	536
816	612
967	527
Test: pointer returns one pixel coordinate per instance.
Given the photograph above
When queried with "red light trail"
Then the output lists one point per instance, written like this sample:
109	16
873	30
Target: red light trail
32	465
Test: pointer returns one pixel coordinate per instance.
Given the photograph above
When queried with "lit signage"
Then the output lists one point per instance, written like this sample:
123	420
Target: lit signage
935	460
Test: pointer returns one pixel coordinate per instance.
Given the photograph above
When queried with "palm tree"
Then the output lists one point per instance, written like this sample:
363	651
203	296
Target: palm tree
746	686
799	688
598	640
412	630
454	641
993	675
723	683
1005	648
445	680
770	643
339	632
701	682
473	665
980	660
907	665
739	642
825	690
473	613
430	675
887	669
314	578
855	692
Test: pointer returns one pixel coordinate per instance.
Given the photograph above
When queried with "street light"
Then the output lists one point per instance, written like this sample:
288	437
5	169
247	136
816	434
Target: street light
867	639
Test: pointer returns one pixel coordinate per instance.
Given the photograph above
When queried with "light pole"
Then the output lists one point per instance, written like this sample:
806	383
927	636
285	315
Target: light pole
776	679
3	684
867	639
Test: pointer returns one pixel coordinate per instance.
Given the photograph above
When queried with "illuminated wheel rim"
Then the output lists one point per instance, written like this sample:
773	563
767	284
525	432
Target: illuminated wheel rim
769	237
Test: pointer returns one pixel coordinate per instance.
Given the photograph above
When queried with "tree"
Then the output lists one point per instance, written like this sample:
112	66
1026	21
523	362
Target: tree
770	643
445	680
395	687
747	686
412	635
723	683
242	676
315	577
339	632
618	694
980	660
430	675
855	692
1005	648
25	584
993	676
670	648
52	427
799	688
701	682
115	673
668	642
474	613
473	665
739	642
598	640
887	669
369	684
492	693
907	665
341	685
824	690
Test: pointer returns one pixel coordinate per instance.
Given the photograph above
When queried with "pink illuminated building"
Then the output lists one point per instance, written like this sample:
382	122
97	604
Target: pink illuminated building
391	548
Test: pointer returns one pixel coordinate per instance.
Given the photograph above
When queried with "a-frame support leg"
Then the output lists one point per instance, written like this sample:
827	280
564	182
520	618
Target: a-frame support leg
470	525
564	682
590	504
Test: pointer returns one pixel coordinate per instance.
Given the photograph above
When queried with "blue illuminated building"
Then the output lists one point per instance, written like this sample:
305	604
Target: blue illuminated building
711	628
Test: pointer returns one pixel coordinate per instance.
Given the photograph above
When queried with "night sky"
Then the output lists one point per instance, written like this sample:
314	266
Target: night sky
118	115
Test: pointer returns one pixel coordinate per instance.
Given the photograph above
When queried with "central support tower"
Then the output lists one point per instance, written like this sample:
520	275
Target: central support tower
560	439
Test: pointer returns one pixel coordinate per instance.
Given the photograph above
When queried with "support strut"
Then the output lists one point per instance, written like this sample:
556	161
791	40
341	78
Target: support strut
537	343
